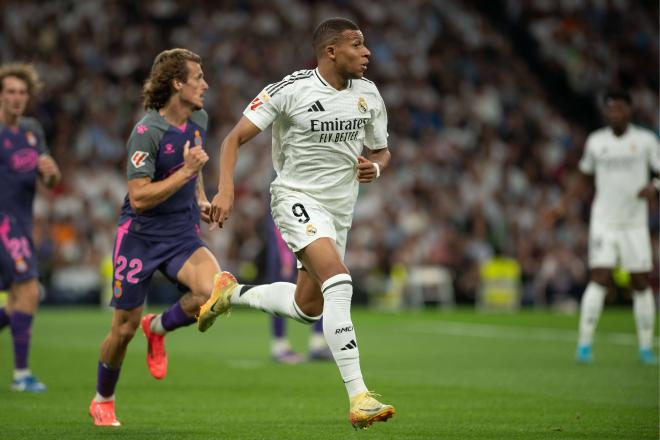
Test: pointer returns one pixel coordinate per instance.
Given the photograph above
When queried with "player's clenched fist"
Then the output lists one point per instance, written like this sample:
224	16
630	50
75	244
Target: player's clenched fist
366	170
193	158
205	210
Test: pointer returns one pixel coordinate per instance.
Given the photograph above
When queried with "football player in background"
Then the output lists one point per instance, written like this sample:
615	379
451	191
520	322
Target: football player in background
619	158
159	222
24	159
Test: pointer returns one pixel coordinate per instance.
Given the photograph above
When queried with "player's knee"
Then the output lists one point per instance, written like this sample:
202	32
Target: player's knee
125	327
25	296
602	277
126	332
639	282
201	291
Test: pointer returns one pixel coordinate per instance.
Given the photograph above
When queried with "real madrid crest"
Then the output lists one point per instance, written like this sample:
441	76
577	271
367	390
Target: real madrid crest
311	229
362	105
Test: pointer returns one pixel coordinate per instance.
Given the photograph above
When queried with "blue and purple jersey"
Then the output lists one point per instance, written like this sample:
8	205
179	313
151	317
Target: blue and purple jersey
155	150
280	262
20	149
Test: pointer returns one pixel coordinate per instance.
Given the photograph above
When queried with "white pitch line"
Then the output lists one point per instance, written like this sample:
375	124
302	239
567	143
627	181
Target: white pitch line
501	331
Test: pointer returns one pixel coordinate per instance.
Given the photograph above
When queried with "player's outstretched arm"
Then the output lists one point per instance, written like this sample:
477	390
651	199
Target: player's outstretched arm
145	194
223	202
371	166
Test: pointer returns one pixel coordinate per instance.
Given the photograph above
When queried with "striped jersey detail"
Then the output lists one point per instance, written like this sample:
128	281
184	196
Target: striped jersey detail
276	87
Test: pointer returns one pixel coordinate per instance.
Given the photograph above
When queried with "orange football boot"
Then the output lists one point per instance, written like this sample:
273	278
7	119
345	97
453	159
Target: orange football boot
156	356
103	413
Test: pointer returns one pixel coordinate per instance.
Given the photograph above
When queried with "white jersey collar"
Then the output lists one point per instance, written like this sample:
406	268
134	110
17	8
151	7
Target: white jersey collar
326	84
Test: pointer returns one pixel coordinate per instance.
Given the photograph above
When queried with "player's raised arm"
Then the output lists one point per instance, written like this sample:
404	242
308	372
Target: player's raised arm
223	202
145	194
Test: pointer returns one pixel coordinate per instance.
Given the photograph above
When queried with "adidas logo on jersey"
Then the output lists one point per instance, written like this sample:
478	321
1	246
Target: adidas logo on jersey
316	107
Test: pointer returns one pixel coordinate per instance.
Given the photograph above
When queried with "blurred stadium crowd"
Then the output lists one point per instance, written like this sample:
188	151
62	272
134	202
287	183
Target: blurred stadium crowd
489	106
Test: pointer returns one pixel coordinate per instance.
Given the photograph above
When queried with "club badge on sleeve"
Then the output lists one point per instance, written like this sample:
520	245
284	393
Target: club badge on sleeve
138	158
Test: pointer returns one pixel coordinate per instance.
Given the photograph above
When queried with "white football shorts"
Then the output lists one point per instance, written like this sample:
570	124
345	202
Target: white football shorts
628	248
301	220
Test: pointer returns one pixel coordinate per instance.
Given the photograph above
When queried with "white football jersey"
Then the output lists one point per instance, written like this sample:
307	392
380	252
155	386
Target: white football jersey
621	167
318	133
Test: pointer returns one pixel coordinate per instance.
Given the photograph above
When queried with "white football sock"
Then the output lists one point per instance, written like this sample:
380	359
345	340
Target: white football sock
317	341
156	325
590	310
644	310
22	373
100	398
339	332
276	299
279	345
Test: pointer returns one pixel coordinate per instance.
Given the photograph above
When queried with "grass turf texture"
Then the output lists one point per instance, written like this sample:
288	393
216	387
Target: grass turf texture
451	375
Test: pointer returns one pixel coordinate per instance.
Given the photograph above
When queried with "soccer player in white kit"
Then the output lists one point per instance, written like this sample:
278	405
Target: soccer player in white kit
619	157
322	120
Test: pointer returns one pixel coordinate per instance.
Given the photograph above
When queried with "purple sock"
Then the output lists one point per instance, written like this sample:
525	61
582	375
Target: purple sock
175	317
4	318
106	379
21	330
279	327
318	326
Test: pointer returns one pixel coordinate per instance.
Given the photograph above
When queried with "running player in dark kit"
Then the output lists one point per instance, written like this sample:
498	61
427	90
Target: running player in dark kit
159	222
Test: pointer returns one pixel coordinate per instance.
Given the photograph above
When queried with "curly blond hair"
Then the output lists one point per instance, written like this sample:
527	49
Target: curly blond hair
25	72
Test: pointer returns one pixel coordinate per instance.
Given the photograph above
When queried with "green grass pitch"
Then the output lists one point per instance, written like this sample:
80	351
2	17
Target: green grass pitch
450	375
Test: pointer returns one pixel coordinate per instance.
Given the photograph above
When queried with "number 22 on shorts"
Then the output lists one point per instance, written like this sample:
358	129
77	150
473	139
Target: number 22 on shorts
135	266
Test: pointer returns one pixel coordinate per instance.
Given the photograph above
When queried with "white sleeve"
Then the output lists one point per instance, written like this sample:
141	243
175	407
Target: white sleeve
654	153
588	162
264	109
376	129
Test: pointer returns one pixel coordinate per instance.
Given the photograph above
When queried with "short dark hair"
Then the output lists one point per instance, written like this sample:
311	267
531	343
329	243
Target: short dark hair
617	95
168	65
329	30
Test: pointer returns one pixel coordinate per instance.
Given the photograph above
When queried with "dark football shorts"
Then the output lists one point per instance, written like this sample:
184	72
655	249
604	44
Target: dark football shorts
18	261
136	258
